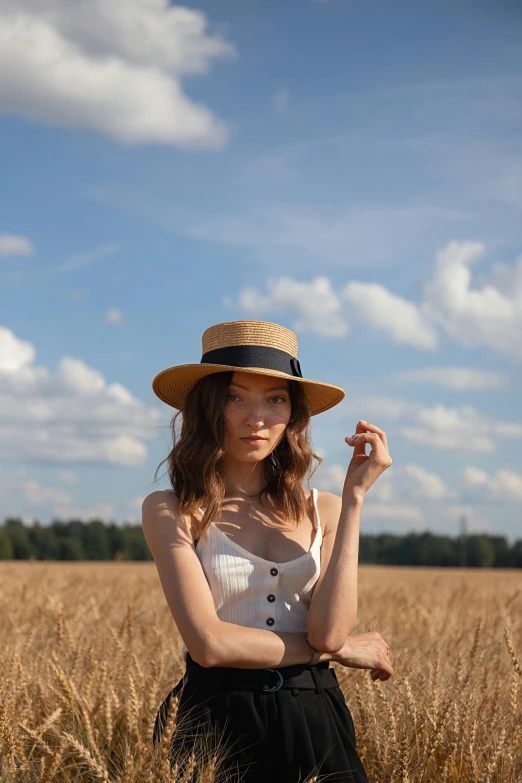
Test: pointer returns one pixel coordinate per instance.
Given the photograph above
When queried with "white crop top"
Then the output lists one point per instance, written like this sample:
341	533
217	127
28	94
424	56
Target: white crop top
249	590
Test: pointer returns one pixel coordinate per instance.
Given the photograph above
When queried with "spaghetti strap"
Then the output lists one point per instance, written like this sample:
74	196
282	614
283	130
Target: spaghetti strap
317	521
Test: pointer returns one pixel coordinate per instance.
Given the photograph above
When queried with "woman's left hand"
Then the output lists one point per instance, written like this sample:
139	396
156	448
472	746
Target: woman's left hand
366	651
364	469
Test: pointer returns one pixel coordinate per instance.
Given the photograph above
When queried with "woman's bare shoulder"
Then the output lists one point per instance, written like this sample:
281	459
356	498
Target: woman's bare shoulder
164	502
329	507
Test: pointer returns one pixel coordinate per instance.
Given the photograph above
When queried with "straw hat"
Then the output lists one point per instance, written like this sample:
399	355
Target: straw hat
257	347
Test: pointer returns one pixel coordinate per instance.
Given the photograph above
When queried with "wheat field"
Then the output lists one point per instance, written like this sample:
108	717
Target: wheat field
90	650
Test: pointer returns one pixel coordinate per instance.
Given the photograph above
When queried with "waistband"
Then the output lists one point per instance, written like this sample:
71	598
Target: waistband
300	676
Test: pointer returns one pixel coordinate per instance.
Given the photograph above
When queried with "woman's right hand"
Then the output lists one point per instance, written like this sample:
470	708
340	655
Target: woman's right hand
366	651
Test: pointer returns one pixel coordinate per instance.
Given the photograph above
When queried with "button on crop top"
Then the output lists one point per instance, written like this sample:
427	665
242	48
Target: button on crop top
251	591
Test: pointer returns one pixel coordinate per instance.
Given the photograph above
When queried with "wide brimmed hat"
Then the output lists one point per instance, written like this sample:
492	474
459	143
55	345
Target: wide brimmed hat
258	347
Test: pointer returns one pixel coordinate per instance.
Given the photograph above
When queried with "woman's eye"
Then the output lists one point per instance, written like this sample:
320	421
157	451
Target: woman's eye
272	399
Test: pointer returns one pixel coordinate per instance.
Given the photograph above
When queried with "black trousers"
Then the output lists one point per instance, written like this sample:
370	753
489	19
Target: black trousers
278	725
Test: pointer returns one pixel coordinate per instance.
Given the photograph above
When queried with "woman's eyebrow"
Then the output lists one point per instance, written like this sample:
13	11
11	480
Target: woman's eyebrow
273	388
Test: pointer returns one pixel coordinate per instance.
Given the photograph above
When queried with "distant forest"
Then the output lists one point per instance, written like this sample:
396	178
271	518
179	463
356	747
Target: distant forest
76	540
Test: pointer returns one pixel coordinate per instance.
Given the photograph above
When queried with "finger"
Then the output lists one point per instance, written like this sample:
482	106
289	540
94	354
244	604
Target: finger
360	446
366	437
363	426
380	674
378	451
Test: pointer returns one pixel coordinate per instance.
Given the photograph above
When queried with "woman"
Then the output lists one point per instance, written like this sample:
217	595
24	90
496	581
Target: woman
266	599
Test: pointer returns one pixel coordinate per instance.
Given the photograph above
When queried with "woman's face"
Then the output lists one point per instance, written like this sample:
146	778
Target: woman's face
256	405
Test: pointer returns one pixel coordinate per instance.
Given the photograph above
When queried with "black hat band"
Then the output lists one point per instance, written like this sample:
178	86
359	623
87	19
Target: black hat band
254	356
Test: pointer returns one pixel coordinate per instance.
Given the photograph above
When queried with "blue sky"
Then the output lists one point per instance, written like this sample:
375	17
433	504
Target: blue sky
352	171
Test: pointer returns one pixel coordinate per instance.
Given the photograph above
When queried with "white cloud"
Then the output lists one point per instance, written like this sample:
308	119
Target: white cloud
502	485
354	235
461	378
372	407
34	493
383	311
396	486
66	476
83	259
476	167
330	478
281	100
475	523
21	495
71	416
315	305
405	512
458	511
425	484
14	245
475	476
114	315
411	496
399	484
490	316
110	66
460	428
137	502
15	354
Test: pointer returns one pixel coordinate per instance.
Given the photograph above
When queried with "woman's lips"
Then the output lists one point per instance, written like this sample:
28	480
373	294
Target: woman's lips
254	440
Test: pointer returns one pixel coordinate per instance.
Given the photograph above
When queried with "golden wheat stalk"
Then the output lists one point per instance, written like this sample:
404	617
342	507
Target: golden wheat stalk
164	748
132	708
66	690
79	707
10	743
48	722
78	654
189	768
36	737
496	756
107	714
94	765
53	764
511	650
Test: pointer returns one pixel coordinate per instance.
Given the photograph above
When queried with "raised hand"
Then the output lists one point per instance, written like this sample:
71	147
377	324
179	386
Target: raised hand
364	469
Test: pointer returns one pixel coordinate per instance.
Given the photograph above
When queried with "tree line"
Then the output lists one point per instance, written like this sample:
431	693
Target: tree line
96	540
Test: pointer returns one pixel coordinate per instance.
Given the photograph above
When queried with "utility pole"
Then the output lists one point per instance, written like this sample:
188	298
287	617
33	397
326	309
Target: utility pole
463	543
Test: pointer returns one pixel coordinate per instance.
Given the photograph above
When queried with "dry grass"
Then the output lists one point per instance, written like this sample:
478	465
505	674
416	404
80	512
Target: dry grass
89	651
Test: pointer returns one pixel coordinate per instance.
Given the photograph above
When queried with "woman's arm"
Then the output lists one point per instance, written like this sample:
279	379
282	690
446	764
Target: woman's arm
255	648
333	609
250	648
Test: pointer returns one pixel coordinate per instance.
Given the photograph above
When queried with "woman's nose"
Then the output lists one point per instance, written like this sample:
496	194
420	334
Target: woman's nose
255	417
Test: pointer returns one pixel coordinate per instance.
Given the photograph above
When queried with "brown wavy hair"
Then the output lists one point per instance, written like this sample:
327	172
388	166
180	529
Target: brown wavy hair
197	452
